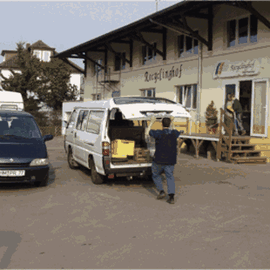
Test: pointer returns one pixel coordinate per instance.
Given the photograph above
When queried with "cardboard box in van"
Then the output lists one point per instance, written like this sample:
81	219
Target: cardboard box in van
122	148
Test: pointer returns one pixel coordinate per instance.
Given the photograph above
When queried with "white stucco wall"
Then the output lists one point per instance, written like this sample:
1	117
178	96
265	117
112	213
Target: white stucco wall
76	80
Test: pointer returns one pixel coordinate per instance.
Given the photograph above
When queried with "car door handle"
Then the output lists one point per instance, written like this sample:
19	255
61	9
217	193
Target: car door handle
75	135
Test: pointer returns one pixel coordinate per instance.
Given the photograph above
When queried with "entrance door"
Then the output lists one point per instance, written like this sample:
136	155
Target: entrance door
259	108
245	101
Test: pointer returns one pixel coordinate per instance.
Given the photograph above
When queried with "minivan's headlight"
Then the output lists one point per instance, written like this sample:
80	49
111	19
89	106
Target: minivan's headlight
39	162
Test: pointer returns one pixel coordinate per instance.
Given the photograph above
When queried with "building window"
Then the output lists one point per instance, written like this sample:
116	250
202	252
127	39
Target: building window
187	45
98	68
149	54
37	54
242	31
120	62
148	92
96	96
46	56
187	96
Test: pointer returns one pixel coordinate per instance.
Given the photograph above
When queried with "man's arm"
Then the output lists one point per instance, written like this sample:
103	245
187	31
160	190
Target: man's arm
172	126
230	108
153	119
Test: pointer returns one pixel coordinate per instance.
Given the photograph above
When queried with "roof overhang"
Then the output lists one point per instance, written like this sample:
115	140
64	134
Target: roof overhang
173	18
145	24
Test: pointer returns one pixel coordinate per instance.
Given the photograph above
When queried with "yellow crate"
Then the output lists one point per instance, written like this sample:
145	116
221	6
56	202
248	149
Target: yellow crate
122	148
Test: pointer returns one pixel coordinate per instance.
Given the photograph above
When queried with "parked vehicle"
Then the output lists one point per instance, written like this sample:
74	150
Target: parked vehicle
112	147
23	153
11	101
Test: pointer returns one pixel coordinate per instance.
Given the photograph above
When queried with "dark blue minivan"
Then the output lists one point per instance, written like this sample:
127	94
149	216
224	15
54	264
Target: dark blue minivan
23	153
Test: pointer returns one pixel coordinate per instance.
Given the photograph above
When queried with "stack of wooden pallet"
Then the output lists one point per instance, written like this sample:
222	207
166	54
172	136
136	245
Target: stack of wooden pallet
142	154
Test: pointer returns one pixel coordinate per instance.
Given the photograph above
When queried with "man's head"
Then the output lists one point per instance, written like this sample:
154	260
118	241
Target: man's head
233	96
166	122
230	97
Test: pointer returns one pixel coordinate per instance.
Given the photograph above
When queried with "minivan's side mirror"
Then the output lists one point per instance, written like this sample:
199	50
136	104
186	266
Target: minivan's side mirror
47	137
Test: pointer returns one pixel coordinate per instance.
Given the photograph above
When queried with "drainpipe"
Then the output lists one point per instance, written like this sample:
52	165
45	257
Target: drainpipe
199	88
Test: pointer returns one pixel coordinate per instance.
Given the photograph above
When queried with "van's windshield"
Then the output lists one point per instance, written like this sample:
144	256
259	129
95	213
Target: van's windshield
18	126
130	100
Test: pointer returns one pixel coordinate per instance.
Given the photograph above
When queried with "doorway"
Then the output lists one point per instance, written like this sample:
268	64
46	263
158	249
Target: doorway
253	97
245	97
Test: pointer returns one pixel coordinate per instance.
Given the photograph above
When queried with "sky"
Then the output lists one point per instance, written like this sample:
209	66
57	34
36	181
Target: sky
63	25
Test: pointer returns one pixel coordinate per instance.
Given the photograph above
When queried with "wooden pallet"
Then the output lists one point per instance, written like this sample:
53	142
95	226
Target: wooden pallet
249	160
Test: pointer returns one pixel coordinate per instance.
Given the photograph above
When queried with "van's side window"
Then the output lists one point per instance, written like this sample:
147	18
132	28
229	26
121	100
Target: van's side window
94	121
72	119
82	119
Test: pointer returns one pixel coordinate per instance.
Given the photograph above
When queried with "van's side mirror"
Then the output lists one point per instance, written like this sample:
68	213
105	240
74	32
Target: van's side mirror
65	123
47	137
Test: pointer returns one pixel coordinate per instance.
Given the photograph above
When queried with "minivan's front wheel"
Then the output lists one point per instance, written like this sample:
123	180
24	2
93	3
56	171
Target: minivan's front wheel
71	162
95	176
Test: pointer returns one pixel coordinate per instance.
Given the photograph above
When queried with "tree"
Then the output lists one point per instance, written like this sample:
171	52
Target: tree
39	81
26	81
55	87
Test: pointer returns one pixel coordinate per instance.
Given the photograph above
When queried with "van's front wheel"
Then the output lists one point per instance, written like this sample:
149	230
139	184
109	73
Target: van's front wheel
71	162
95	176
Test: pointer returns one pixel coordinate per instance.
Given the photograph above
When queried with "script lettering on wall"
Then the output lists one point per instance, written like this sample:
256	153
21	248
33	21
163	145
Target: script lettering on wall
163	74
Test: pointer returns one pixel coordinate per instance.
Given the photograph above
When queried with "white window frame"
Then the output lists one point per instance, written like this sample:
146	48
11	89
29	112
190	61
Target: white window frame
48	53
37	53
144	92
185	95
266	80
248	16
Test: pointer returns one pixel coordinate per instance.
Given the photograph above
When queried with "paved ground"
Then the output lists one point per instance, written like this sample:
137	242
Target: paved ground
220	219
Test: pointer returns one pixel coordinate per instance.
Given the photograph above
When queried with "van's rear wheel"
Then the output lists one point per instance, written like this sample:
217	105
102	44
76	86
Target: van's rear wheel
95	176
71	162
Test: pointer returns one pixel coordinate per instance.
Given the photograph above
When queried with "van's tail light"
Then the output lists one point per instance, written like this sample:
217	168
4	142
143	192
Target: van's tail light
105	148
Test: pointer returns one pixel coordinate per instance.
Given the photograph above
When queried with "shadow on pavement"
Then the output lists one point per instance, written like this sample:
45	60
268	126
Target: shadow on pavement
145	182
10	240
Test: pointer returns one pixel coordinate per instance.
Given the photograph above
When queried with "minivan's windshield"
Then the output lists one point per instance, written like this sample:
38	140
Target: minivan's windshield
130	100
18	126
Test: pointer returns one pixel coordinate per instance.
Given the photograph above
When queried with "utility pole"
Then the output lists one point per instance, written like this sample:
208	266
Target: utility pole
157	4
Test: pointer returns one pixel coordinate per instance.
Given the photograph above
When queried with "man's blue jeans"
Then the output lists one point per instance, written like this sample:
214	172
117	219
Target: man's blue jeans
157	170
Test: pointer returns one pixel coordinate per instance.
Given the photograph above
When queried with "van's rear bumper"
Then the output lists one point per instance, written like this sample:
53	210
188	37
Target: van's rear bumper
138	171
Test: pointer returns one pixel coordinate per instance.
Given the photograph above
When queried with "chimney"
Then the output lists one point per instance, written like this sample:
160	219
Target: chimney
28	47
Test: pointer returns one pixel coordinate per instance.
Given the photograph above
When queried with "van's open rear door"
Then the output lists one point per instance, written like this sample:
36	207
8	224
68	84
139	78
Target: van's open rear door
144	111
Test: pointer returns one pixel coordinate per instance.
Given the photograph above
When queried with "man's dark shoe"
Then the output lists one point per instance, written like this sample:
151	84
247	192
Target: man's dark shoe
161	195
171	199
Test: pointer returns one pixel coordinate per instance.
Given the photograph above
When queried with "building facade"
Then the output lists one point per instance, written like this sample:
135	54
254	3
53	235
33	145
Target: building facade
192	53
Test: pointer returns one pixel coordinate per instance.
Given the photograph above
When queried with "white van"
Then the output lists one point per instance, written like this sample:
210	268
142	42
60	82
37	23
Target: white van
111	148
11	101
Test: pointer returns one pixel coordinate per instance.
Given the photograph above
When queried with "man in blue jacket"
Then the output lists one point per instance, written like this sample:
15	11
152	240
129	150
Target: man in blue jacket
165	156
